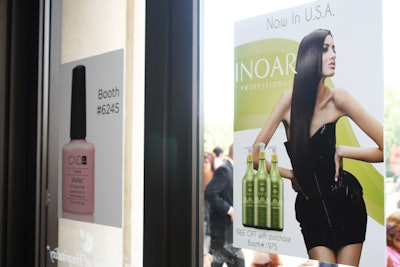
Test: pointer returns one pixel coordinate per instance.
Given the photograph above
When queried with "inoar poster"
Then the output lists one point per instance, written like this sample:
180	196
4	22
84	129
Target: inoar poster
308	133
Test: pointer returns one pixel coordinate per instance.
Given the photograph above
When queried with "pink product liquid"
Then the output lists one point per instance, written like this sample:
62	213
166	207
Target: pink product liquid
78	177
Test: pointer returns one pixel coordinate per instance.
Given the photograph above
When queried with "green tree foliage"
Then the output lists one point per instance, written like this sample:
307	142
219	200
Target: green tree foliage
220	134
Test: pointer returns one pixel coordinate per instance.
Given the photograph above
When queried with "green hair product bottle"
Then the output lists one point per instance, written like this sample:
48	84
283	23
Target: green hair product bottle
276	193
262	193
248	191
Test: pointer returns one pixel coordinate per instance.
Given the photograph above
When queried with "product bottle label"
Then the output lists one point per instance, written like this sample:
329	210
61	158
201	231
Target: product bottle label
248	204
76	176
276	206
78	182
260	207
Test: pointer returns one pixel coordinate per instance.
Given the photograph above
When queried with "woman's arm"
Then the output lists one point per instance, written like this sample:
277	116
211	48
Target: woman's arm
280	112
348	106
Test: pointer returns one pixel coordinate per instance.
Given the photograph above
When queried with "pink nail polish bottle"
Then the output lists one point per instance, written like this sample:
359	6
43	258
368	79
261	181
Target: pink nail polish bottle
78	154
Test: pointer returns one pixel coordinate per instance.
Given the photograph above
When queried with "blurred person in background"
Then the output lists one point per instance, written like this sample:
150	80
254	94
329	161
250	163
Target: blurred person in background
265	259
208	168
219	157
208	173
219	193
393	239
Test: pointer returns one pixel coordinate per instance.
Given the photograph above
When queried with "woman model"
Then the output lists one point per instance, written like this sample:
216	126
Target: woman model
329	204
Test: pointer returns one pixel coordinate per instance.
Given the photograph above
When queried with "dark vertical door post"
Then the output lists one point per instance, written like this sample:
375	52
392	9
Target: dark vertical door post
172	118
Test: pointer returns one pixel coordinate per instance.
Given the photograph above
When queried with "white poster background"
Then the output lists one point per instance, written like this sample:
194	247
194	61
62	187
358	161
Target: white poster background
356	27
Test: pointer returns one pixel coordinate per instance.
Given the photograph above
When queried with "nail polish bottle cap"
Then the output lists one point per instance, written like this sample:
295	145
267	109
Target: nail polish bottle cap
78	103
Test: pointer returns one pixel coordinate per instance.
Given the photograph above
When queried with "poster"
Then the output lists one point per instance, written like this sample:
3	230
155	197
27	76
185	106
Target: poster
91	139
266	50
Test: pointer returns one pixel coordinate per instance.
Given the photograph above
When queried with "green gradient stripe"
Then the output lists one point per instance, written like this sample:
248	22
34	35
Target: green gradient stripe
262	75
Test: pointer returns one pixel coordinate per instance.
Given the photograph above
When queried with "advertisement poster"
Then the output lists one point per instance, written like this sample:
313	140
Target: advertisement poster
91	139
348	113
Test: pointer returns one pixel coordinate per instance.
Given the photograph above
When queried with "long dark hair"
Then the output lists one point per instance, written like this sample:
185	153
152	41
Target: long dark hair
305	86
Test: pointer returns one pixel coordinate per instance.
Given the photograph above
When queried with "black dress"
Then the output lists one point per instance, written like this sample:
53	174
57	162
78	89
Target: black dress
332	214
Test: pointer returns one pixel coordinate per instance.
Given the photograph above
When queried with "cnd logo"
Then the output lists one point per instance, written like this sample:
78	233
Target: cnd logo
77	160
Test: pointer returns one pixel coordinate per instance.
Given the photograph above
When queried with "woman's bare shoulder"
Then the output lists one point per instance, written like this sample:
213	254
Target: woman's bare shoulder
342	98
